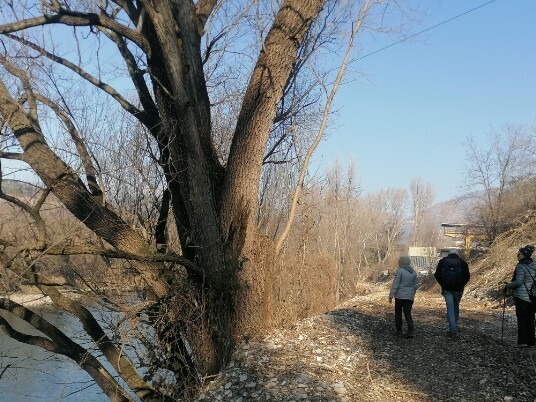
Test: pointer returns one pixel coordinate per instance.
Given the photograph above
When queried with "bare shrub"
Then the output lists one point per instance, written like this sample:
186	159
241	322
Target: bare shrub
490	272
363	288
303	288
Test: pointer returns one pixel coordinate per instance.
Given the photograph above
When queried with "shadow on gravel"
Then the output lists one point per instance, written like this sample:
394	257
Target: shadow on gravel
477	366
268	372
248	384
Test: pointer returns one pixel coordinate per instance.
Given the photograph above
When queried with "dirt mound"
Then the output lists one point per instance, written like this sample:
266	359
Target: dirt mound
497	266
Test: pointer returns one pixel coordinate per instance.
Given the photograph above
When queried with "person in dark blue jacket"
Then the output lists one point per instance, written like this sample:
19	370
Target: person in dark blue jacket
452	273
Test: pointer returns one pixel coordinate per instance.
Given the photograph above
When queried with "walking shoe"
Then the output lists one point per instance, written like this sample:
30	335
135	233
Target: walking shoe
409	334
452	334
398	332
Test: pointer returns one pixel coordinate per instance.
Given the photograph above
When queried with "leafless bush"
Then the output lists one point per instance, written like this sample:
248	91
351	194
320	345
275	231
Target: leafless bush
303	288
493	269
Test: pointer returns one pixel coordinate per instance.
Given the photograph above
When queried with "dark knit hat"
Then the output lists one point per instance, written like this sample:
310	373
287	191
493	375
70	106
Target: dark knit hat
527	251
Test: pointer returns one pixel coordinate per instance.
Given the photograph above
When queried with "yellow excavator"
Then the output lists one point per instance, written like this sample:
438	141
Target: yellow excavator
466	232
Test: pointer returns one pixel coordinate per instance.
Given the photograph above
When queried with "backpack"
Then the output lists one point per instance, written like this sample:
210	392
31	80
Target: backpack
532	290
452	275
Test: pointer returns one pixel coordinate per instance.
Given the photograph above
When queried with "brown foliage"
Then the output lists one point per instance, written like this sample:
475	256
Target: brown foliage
497	266
303	287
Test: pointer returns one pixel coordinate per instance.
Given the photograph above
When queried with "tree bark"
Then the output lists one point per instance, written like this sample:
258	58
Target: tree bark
239	198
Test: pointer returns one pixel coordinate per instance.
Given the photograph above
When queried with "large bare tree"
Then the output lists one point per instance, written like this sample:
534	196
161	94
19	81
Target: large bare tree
422	197
169	51
495	172
214	206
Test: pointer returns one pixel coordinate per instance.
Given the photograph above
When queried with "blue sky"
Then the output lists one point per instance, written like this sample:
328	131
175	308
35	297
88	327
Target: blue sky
409	108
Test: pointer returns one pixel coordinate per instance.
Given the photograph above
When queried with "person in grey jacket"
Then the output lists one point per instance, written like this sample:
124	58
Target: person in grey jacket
522	280
403	291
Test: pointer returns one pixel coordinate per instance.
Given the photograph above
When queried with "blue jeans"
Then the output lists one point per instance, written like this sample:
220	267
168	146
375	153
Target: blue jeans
452	299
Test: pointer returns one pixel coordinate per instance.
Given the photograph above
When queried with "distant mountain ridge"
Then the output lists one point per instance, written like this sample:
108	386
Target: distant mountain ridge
18	188
451	211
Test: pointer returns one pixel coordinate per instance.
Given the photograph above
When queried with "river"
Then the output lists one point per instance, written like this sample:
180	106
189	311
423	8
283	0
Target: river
31	374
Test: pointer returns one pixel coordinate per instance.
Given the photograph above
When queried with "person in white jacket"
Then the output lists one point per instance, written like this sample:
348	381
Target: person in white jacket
403	291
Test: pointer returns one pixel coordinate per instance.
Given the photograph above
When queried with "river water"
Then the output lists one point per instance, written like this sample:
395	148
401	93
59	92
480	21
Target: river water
31	374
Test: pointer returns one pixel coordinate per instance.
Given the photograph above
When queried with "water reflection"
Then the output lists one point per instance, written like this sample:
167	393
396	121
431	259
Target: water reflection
30	373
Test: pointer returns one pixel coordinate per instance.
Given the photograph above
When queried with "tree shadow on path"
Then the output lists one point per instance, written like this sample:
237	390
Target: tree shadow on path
476	366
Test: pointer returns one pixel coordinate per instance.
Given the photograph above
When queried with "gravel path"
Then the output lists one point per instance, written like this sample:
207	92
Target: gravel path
351	354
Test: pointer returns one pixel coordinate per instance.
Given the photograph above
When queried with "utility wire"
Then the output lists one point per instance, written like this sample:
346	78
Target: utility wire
425	30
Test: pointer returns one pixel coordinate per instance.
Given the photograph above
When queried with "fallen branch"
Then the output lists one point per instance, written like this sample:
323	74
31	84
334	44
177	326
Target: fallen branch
79	249
405	392
369	376
4	370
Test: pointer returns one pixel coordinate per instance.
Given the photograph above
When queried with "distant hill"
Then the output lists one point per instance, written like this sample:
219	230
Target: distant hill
451	211
18	188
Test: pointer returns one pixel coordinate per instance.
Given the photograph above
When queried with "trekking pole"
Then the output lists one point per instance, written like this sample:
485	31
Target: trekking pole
504	308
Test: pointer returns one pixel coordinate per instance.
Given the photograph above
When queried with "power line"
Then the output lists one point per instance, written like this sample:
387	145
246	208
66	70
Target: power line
425	30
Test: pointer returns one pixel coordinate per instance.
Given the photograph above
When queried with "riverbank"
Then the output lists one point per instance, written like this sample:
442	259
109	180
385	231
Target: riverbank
34	299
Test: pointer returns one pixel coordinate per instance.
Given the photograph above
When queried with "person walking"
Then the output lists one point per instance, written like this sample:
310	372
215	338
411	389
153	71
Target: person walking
452	274
403	291
524	276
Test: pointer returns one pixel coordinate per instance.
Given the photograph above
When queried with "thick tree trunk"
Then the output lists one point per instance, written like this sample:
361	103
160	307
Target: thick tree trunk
239	200
192	170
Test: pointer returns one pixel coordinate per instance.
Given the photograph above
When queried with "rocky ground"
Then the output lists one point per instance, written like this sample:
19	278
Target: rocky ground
351	354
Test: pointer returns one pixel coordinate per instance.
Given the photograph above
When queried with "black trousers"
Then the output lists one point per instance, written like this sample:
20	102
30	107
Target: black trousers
403	305
525	313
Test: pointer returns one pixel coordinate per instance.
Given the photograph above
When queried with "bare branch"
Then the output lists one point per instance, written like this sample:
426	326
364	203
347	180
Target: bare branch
81	249
140	115
33	212
318	138
225	31
130	9
136	75
91	173
12	155
72	18
31	339
4	370
160	230
23	78
203	9
87	249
